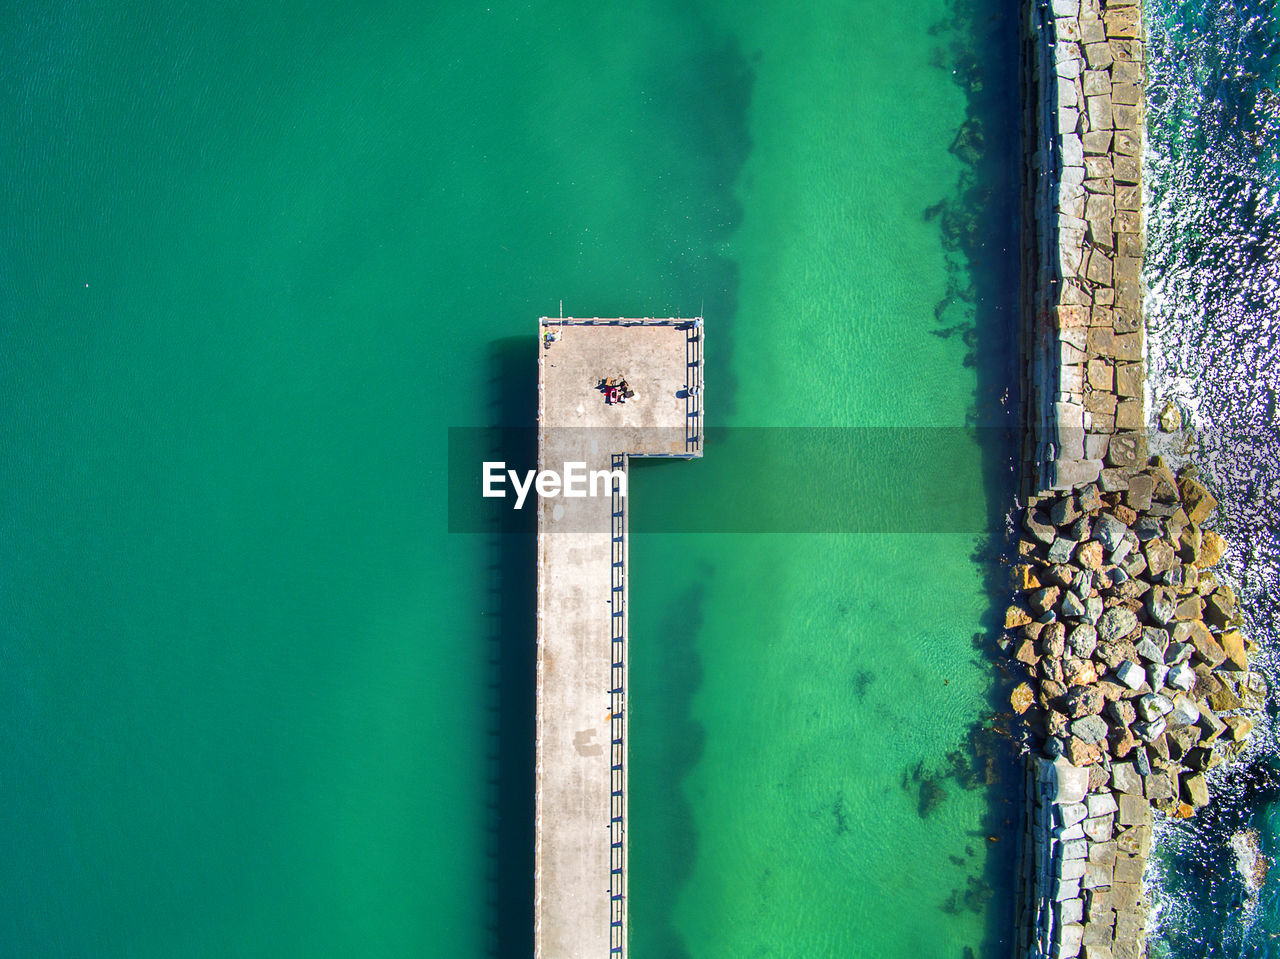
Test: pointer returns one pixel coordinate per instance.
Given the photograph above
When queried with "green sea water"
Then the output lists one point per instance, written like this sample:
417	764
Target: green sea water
256	259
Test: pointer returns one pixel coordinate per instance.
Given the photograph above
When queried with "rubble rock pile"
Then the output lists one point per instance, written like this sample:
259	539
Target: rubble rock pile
1131	645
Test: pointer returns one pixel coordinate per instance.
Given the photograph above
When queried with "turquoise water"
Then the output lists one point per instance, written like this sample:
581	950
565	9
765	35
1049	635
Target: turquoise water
256	260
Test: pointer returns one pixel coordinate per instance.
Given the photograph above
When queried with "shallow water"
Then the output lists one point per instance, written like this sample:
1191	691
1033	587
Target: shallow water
1213	269
257	700
795	698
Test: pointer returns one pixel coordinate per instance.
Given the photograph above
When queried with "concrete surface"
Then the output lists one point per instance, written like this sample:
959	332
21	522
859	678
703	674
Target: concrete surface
580	858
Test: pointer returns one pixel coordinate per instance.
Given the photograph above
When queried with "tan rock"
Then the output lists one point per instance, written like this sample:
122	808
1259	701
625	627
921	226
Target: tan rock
1016	616
1022	698
1196	499
1233	645
1129	415
1240	727
1129	379
1212	547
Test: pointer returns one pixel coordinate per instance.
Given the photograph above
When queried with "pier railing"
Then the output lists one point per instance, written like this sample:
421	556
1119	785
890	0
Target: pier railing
617	719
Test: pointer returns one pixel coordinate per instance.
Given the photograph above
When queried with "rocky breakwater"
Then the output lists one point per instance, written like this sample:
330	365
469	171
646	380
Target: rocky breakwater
1082	333
1137	681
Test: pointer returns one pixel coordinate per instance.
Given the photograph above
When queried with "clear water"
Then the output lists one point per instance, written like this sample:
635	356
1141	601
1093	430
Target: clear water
1213	269
254	261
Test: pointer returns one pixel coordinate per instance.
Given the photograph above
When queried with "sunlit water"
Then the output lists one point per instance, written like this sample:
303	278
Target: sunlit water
1213	269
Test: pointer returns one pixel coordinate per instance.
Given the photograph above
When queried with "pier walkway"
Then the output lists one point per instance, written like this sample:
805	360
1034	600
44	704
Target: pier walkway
580	882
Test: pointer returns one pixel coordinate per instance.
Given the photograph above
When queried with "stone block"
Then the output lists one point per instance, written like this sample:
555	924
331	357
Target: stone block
1099	108
1129	198
1069	474
1097	167
1128	142
1095	447
1071	910
1092	29
1068	120
1129	94
1128	221
1071	316
1076	336
1072	67
1101	375
1125	895
1129	379
1098	55
1125	72
1071	869
1069	355
1105	185
1125	117
1066	8
1098	828
1097	141
1102	296
1099	905
1099	269
1066	28
1113	481
1098	932
1100	208
1127	318
1125	49
1072	152
1067	96
1134	810
1129	415
1123	22
1069	784
1100	316
1131	244
1075	849
1120	346
1127	170
1129	869
1128	268
1067	941
1096	82
1099	401
1071	379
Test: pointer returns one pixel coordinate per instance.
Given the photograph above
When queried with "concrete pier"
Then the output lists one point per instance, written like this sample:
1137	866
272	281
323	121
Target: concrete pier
580	883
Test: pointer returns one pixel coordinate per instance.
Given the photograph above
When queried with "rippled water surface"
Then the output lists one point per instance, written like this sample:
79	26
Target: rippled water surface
1213	271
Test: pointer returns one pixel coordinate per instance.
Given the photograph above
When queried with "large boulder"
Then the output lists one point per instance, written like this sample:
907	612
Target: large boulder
1043	600
1196	500
1233	645
1109	531
1084	701
1090	729
1160	556
1068	784
1161	605
1190	608
1022	698
1083	640
1197	634
1061	549
1116	623
1212	546
1039	526
1194	790
1131	674
1220	608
